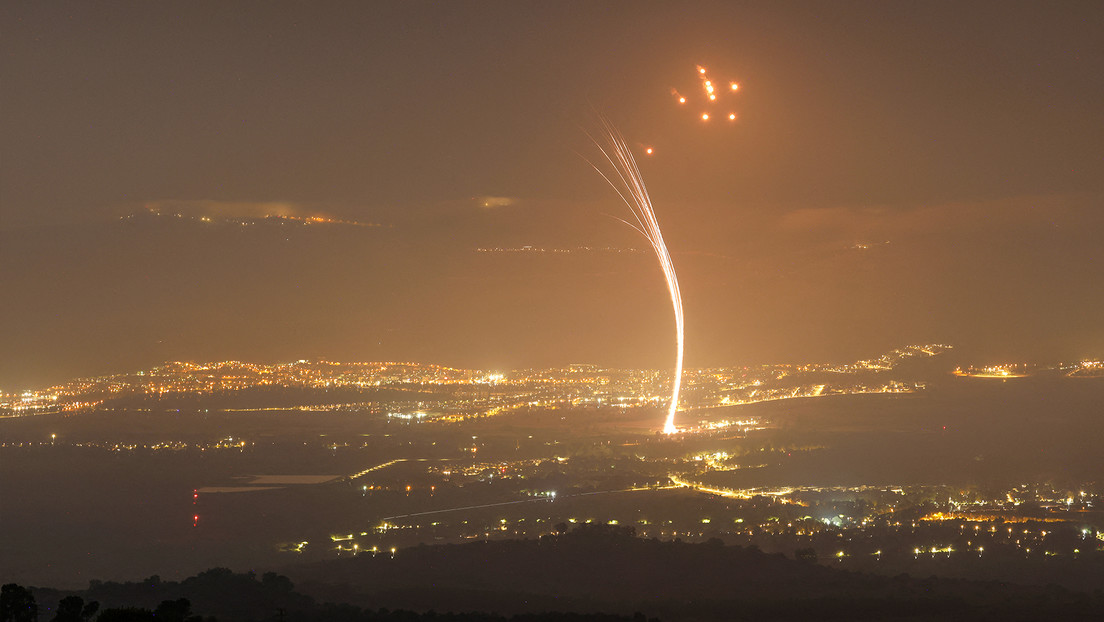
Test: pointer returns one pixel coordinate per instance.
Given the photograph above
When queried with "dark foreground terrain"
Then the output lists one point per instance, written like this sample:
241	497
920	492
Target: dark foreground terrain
596	572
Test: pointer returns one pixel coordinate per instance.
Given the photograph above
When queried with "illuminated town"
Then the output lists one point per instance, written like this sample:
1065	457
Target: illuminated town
454	394
405	454
551	311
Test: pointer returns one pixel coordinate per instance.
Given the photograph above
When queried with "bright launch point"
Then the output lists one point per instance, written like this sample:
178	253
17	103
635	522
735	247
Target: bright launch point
634	194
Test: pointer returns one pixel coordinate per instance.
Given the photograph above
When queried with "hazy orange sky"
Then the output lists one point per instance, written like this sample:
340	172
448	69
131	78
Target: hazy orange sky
899	172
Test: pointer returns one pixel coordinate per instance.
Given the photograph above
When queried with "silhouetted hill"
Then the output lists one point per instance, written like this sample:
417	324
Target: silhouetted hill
605	568
220	595
597	573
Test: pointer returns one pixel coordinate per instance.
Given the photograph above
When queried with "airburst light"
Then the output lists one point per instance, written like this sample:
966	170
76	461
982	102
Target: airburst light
627	181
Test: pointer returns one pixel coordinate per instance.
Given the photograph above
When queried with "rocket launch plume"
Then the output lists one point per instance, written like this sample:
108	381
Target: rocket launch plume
628	182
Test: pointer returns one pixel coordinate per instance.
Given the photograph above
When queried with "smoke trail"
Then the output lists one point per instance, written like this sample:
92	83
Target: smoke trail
628	183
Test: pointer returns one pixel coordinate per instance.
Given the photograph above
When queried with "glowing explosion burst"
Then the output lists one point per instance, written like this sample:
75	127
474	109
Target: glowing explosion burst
627	181
710	94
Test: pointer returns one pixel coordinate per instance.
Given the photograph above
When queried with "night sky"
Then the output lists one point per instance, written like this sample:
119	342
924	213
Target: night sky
899	173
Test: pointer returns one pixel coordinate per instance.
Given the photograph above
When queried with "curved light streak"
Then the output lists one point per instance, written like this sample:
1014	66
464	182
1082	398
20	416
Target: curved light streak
627	181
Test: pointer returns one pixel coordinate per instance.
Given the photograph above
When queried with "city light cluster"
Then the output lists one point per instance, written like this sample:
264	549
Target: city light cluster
427	393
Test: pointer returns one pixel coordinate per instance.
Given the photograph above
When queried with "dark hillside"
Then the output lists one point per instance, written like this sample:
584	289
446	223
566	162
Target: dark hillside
606	568
596	573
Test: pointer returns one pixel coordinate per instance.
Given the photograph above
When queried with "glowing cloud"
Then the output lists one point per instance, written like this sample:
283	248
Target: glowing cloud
492	201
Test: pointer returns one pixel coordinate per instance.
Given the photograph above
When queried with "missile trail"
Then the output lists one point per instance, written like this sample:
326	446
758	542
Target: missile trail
627	181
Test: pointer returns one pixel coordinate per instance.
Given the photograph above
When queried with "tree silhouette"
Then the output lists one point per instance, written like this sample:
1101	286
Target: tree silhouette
73	609
273	582
179	610
17	604
126	614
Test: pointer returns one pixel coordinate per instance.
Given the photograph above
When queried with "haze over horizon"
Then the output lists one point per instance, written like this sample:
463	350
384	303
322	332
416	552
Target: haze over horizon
898	174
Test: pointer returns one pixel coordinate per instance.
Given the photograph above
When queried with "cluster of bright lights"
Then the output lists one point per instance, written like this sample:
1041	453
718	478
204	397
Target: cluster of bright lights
711	94
628	182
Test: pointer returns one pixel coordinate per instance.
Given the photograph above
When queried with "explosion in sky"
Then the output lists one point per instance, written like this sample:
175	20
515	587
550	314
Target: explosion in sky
978	160
710	96
628	182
